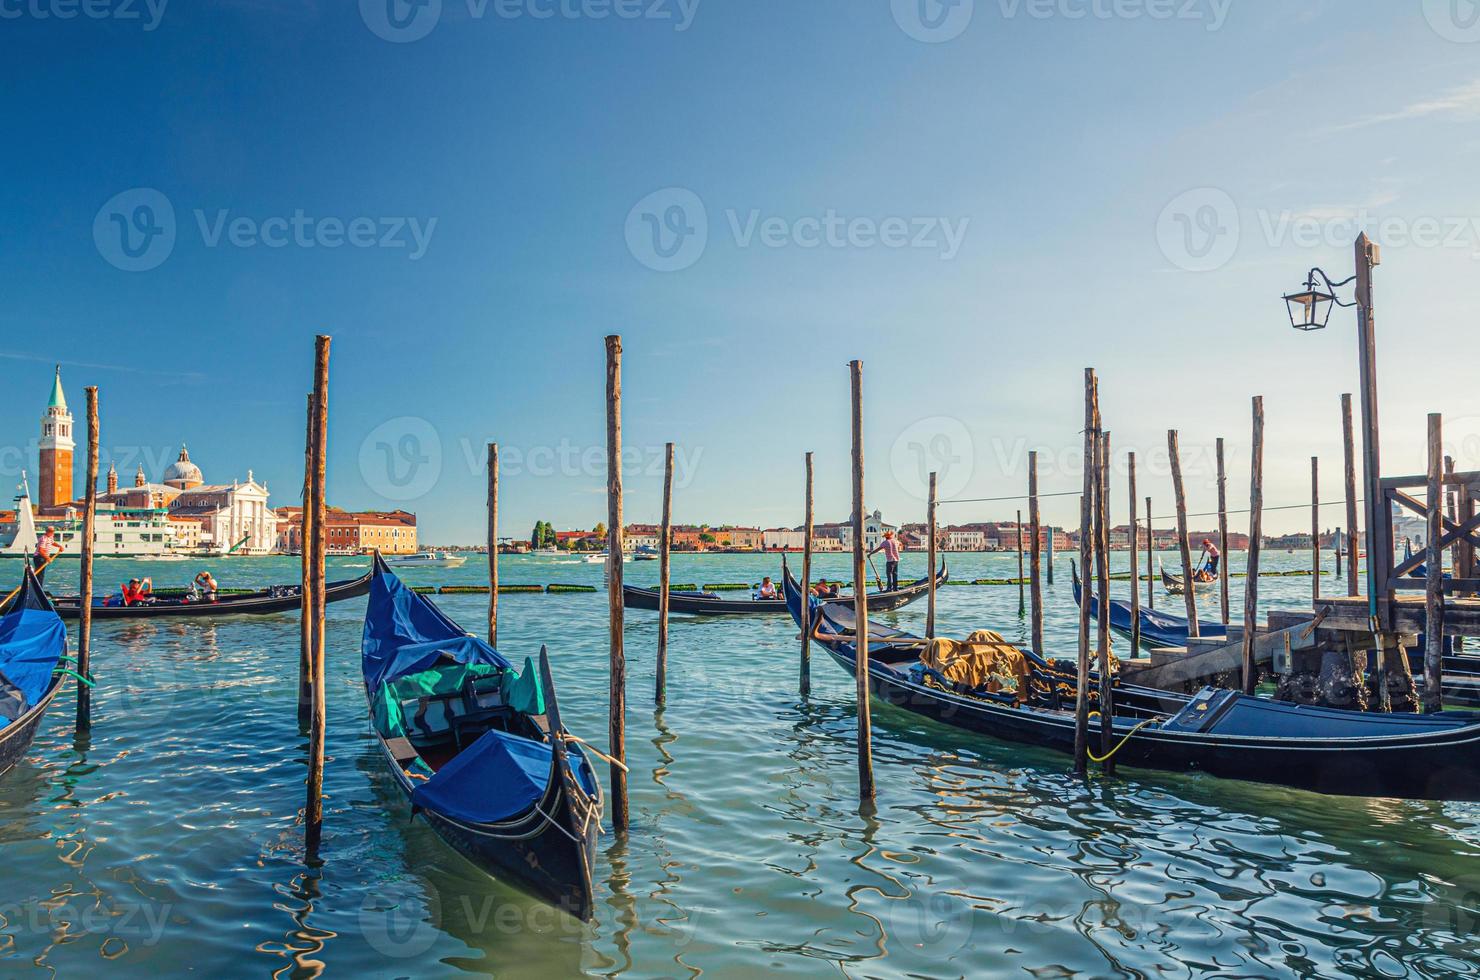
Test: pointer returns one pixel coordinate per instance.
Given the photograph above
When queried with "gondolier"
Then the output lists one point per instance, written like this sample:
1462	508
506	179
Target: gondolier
47	548
890	547
1211	556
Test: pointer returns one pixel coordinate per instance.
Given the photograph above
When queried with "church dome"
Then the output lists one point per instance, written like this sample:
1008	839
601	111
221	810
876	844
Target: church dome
182	473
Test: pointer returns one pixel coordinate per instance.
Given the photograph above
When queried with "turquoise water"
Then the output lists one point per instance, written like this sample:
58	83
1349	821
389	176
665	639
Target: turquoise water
170	842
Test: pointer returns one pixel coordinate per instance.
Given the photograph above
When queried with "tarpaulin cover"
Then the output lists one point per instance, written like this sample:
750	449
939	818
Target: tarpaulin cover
1160	629
407	634
495	778
32	640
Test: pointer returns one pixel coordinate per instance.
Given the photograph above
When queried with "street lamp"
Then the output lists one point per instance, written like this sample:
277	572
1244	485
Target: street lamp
1310	309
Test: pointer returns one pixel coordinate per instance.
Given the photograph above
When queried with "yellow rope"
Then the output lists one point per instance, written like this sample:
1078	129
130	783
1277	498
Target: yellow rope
1109	755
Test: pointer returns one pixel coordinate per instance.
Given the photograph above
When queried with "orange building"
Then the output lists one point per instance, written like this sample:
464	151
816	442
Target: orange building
56	450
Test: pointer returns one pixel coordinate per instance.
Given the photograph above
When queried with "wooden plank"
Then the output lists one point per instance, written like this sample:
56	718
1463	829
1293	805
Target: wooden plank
1256	531
1173	672
314	601
1379	523
1189	589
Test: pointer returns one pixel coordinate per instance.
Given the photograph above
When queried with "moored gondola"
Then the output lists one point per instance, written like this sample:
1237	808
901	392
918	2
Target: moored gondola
33	642
713	604
263	602
1158	630
478	748
1222	733
1174	583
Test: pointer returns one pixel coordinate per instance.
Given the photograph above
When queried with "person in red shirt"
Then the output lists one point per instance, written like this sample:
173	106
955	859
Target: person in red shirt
138	591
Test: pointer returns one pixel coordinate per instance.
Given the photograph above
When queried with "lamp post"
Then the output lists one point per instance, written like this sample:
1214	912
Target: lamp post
1310	309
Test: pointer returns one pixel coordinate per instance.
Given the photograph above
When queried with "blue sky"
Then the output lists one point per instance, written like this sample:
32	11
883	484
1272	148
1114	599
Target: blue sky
979	201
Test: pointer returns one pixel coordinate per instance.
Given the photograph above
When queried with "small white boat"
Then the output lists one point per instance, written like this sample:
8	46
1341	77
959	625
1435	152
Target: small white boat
600	559
425	559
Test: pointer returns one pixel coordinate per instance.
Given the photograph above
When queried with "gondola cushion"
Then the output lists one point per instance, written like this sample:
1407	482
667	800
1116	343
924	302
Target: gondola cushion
446	683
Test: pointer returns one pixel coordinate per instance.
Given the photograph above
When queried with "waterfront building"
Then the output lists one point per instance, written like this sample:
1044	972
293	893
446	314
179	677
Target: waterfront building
351	533
56	448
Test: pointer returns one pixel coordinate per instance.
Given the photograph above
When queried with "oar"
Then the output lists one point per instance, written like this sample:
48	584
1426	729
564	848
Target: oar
877	580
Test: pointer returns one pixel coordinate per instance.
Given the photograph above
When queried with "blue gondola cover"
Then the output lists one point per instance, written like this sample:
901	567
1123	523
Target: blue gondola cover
32	641
406	634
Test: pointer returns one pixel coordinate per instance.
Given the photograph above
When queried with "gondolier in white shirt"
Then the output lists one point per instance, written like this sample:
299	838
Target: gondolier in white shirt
890	547
47	548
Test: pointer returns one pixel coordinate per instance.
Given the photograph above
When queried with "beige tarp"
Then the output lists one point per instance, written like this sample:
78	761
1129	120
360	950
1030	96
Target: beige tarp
984	661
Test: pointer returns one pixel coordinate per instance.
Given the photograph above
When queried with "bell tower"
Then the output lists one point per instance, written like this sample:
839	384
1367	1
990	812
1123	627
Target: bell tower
56	449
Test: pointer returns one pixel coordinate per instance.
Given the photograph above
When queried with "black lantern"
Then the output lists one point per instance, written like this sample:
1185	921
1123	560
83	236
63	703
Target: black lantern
1310	309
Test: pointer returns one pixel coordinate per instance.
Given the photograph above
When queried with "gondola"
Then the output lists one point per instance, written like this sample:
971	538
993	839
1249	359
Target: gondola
712	604
33	642
1158	630
1173	583
1222	733
478	748
276	599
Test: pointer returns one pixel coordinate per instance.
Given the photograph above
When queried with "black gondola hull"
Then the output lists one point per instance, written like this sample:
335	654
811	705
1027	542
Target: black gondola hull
16	737
262	603
1429	767
551	859
704	605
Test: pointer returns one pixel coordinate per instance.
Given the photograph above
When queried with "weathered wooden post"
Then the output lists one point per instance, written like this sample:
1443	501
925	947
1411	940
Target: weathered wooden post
1315	530
1353	583
493	545
1035	552
1022	585
1086	553
1256	531
1433	655
1222	534
931	559
305	594
1340	543
1102	561
1150	550
1049	547
85	590
1135	546
617	716
318	723
1189	585
806	669
860	596
664	549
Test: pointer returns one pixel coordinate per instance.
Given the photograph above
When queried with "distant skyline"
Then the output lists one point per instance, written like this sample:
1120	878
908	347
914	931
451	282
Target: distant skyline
977	199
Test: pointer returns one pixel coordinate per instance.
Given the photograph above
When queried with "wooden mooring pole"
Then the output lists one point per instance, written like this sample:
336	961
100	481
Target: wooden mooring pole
1222	535
1433	656
1035	553
860	596
85	590
1315	530
1022	584
305	594
930	522
1189	586
1102	564
1130	463
1086	557
318	721
660	695
1256	531
617	711
806	667
493	545
1353	549
1150	550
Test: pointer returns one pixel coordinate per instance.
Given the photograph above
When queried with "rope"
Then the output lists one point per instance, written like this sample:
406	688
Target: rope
16	591
1111	754
567	736
551	821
